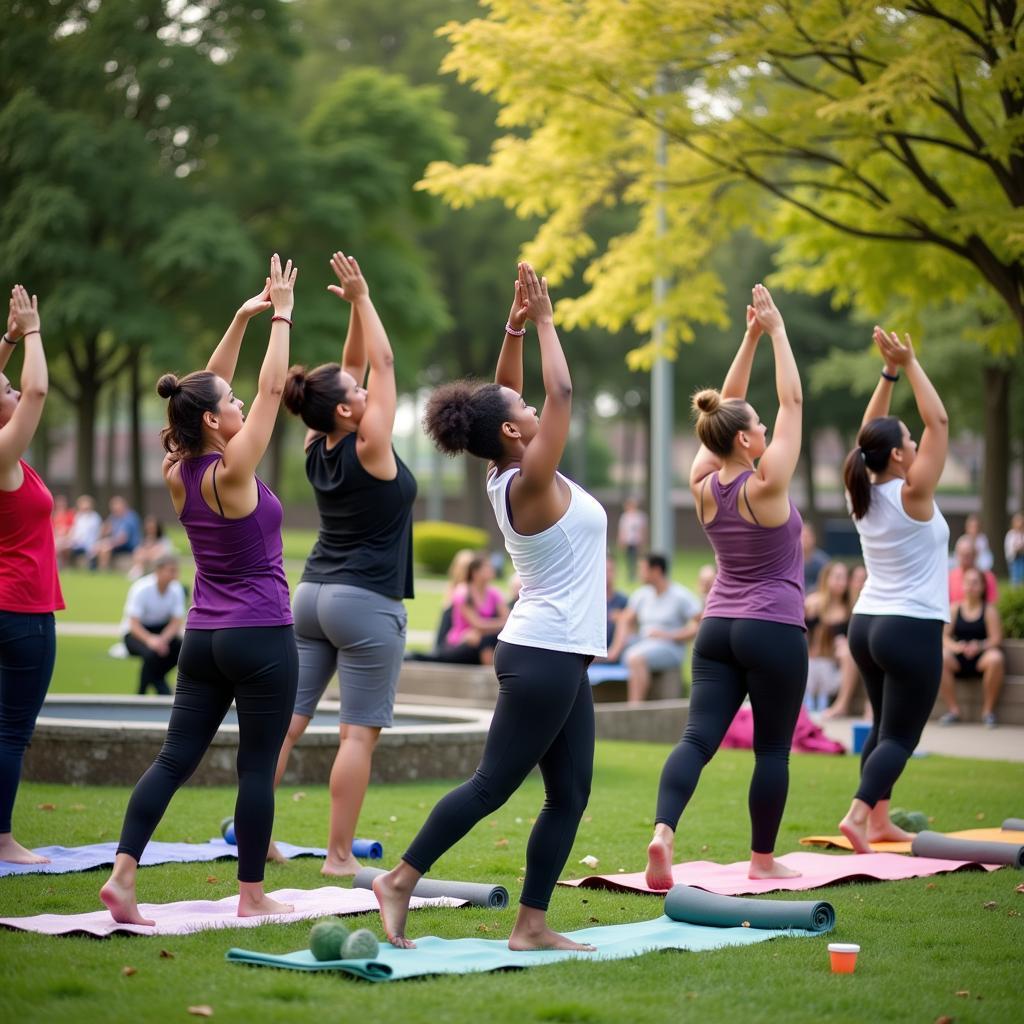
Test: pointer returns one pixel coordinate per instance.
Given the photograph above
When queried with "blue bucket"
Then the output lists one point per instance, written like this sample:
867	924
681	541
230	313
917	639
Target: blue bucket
861	731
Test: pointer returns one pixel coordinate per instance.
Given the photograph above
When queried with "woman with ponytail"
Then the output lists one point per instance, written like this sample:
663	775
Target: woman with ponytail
349	616
555	534
239	645
752	641
896	629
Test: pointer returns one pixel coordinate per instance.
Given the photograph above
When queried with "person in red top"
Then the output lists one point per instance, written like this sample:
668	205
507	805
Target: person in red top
966	555
29	587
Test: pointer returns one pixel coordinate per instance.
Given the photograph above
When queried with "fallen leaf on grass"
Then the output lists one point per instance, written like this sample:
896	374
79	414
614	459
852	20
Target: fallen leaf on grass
746	924
963	994
296	797
500	844
482	928
212	879
201	1011
931	885
166	954
944	1020
129	971
595	920
979	816
46	807
1020	889
705	848
990	905
1013	913
590	860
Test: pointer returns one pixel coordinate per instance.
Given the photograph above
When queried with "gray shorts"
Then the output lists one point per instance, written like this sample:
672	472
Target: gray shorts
360	635
659	655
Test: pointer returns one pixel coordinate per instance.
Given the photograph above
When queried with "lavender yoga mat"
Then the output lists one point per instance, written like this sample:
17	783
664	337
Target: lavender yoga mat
816	870
64	859
200	915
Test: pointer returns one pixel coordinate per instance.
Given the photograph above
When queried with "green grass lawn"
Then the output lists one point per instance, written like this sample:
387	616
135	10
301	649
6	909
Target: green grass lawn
924	942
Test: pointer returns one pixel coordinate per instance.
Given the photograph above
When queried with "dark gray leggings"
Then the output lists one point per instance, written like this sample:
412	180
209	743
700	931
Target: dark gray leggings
900	660
258	668
733	659
544	716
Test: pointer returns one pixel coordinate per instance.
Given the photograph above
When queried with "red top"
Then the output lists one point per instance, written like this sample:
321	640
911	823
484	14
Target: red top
28	561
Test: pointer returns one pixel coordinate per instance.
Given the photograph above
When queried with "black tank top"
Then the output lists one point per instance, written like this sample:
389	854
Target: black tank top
970	629
365	523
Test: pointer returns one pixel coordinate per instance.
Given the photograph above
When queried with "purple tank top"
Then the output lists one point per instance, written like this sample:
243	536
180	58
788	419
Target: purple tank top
760	568
240	578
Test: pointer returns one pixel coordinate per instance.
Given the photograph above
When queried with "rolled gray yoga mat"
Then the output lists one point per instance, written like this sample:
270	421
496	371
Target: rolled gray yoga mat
479	894
695	906
935	844
1013	825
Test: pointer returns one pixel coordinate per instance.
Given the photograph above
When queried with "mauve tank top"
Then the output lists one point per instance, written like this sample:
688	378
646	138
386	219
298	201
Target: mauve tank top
760	568
240	578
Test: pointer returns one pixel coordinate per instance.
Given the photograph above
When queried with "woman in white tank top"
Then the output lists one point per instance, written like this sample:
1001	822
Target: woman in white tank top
896	630
555	534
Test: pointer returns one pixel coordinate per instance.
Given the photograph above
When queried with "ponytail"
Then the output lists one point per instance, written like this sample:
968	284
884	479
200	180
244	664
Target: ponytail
875	443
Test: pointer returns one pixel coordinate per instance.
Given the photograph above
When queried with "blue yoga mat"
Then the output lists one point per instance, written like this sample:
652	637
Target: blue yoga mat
466	956
65	859
368	849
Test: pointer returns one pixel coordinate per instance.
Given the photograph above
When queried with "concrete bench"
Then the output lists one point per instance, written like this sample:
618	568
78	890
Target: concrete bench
1009	709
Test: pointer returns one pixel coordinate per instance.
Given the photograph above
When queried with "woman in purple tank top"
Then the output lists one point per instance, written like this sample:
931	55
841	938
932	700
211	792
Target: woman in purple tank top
239	645
751	641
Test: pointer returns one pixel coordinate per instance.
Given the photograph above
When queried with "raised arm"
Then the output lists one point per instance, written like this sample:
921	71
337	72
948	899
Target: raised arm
351	287
10	339
244	451
544	452
225	355
776	467
17	433
509	372
881	398
926	469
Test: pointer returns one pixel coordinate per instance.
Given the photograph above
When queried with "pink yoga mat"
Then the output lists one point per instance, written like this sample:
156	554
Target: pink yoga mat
816	870
200	915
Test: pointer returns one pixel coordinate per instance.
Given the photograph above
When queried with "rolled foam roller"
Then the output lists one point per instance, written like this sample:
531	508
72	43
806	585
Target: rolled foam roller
479	894
696	906
935	844
368	849
1013	825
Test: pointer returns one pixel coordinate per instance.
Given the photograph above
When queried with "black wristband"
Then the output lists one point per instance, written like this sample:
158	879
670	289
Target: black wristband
892	377
7	340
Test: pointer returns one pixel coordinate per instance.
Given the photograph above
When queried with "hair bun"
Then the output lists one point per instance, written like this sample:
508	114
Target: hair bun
294	396
707	401
168	386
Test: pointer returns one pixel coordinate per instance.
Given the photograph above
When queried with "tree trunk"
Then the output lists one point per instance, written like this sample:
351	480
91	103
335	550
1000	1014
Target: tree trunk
477	509
995	475
810	511
85	423
138	480
110	451
275	455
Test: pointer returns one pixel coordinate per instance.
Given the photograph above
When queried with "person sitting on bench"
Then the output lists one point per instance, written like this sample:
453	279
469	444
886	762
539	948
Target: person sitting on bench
154	614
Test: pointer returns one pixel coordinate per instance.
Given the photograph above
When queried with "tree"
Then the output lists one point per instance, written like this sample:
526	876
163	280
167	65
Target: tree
880	144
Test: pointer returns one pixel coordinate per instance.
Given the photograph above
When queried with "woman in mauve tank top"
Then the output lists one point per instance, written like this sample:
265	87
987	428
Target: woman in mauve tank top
29	587
239	645
752	642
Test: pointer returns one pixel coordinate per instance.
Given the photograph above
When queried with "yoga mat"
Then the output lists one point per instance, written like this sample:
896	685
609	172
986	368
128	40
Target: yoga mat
479	894
1013	825
816	870
200	915
368	849
984	835
935	844
464	956
64	859
696	906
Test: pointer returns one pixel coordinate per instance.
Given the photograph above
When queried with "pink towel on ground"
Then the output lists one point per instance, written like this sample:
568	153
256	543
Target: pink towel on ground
200	915
807	737
816	870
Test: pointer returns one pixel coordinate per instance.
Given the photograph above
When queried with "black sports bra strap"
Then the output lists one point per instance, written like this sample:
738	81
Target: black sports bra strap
704	484
213	481
747	502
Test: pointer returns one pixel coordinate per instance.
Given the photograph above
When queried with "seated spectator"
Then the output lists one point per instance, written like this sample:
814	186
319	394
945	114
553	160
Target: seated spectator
85	531
658	621
62	518
479	611
849	674
705	581
827	611
154	614
1013	545
120	534
966	558
152	547
971	647
814	558
983	553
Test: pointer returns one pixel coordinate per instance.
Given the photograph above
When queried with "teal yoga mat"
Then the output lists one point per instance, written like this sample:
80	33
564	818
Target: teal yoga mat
699	907
479	894
1013	825
466	956
935	844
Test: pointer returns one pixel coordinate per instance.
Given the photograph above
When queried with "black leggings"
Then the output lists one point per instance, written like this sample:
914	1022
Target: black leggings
734	658
258	668
900	660
154	666
544	716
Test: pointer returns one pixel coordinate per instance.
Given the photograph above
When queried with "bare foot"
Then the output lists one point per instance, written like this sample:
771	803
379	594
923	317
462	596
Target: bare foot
523	939
771	870
394	908
341	868
659	862
120	901
856	832
888	833
275	855
12	852
835	712
261	906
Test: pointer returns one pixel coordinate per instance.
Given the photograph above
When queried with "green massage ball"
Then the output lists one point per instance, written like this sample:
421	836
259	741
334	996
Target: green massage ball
326	939
362	944
909	821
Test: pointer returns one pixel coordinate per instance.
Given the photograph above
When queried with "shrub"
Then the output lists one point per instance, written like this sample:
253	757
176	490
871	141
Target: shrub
435	544
1011	611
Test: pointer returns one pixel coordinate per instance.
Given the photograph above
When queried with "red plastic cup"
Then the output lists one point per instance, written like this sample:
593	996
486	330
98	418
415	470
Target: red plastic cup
843	956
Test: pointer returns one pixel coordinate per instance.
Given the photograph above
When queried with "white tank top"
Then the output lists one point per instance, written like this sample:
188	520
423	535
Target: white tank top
905	559
562	604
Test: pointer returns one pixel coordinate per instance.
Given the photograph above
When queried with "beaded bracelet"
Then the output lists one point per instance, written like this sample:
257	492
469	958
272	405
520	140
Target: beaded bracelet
278	316
509	329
